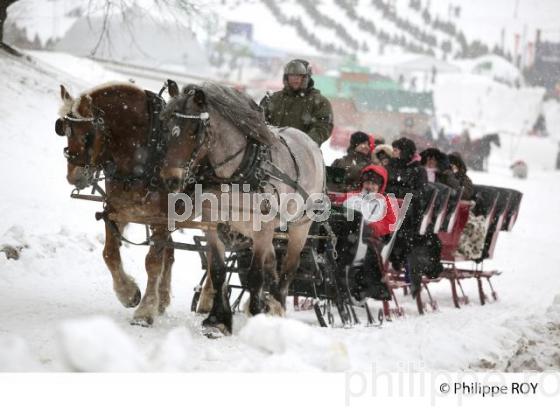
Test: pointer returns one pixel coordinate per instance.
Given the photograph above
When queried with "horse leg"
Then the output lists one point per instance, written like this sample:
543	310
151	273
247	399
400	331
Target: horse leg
207	295
273	306
149	305
262	263
165	283
219	320
125	287
290	262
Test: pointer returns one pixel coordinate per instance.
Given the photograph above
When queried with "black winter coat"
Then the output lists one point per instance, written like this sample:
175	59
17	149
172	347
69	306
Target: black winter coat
467	184
405	178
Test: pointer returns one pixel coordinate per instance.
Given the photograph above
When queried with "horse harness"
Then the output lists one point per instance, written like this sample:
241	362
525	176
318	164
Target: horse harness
256	168
155	147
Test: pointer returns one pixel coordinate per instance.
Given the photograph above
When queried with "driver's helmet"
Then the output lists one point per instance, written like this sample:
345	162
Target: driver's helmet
298	67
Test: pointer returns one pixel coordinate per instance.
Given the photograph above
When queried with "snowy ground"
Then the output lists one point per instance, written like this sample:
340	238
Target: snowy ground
58	311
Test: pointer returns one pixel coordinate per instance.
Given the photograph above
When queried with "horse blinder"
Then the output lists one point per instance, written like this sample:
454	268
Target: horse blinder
59	127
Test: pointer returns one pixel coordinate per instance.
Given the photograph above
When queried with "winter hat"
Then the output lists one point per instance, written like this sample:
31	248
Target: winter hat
356	139
383	149
377	174
431	153
407	147
373	177
456	159
441	158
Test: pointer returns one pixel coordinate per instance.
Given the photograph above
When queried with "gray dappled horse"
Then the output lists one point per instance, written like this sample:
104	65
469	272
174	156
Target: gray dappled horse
224	129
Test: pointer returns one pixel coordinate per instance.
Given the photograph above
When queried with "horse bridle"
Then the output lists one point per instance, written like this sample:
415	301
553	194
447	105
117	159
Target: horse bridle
84	159
201	132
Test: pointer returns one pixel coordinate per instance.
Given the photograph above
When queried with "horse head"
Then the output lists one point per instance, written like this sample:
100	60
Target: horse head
186	119
83	126
495	139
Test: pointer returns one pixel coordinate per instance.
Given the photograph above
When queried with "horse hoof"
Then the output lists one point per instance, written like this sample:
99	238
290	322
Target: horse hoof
137	298
143	322
216	331
130	302
274	307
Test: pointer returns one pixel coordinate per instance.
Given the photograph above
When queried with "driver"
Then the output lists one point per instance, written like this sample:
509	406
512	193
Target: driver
299	104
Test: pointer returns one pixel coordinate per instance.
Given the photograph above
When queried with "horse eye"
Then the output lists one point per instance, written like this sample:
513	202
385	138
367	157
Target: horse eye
176	131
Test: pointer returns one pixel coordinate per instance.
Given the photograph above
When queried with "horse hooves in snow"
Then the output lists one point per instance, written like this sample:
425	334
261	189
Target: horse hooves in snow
144	322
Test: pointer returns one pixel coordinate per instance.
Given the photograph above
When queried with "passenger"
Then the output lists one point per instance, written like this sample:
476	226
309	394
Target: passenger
368	282
406	175
460	171
374	181
384	153
471	242
418	254
359	155
438	168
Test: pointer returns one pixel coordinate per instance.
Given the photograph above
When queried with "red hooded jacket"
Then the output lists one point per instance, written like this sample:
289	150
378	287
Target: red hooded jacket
379	228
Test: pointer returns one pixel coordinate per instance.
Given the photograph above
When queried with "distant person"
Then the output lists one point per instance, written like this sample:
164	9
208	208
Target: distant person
299	104
539	128
520	169
412	86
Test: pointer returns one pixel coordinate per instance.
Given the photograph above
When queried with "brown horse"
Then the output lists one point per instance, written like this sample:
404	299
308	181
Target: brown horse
219	129
477	151
112	128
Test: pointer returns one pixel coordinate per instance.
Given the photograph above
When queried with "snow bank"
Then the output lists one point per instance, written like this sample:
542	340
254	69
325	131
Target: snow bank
493	67
15	355
551	110
97	344
83	69
539	346
483	105
177	352
289	342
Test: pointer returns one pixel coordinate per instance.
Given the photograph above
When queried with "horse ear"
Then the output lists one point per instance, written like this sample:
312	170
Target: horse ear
64	94
172	88
199	97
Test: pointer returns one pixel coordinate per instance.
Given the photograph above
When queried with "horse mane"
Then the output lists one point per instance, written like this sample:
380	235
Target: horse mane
73	106
238	108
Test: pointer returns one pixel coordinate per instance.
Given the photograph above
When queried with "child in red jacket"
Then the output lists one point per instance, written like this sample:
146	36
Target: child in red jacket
380	213
377	209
